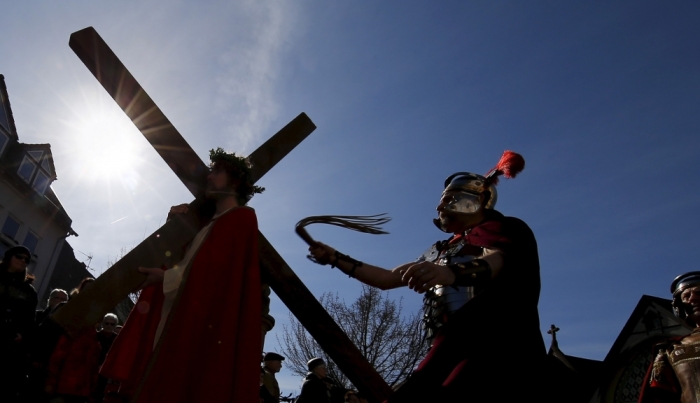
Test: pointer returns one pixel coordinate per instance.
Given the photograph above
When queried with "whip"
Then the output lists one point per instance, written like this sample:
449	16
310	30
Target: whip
369	224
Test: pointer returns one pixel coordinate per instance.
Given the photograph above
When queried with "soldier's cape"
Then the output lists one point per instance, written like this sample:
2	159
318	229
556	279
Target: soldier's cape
496	330
210	351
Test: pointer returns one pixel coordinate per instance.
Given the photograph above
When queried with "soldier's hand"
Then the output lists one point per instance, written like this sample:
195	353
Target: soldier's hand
321	253
420	277
155	276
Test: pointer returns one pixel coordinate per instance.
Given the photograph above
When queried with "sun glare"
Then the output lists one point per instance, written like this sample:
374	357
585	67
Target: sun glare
105	144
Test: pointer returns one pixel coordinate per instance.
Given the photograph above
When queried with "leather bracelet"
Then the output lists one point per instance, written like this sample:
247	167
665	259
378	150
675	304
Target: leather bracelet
473	273
355	263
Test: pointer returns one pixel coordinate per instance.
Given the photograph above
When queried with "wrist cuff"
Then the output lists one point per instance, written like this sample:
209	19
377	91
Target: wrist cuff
355	263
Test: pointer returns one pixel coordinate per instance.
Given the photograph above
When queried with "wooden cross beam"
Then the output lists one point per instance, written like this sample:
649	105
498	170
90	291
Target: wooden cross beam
122	278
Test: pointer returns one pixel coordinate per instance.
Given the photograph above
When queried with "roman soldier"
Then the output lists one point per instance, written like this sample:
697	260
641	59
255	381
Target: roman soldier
481	290
673	375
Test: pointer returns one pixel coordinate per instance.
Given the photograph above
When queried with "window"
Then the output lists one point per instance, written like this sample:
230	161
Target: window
11	227
31	241
41	182
26	170
29	170
45	165
36	154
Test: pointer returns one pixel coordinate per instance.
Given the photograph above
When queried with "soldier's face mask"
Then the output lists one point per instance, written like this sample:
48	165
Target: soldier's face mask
460	201
458	210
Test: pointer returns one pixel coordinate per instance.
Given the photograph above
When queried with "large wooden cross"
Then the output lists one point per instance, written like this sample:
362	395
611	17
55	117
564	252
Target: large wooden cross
115	284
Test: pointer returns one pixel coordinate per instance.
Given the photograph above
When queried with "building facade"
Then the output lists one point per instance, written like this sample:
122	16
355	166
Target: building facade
30	212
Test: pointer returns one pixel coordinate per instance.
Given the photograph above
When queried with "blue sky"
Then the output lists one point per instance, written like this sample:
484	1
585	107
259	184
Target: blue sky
600	98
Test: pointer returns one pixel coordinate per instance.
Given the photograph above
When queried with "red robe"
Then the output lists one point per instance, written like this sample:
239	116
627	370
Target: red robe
210	350
72	368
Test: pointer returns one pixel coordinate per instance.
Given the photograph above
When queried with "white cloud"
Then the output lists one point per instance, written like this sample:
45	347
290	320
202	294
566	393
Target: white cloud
249	71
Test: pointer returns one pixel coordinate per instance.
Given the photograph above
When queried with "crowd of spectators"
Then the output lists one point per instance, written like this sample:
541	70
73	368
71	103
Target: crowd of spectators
39	363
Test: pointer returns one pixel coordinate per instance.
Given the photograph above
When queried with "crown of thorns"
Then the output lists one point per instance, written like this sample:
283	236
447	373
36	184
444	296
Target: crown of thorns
238	168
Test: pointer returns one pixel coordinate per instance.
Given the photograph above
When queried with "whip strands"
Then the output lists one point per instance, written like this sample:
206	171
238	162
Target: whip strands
369	224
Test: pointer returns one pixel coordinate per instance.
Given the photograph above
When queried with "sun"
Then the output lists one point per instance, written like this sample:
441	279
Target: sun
104	143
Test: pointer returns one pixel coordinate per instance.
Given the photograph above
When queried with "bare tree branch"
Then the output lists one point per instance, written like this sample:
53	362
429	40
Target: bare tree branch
392	344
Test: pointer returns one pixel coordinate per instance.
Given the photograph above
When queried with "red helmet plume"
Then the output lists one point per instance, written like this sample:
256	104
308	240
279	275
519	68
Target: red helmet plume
510	164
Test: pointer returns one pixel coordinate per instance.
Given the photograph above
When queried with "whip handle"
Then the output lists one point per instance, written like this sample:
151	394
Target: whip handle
305	235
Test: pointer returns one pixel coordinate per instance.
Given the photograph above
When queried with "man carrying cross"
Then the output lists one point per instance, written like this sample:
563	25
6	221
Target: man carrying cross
481	291
122	278
194	334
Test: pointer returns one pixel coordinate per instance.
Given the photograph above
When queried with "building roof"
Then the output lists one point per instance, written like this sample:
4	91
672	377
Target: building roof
571	379
5	110
619	376
626	364
642	324
13	156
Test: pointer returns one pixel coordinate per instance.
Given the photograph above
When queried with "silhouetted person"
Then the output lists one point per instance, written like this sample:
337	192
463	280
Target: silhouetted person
272	364
18	302
56	297
314	389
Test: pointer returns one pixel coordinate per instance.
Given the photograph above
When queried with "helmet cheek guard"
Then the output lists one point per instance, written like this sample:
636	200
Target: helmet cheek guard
678	309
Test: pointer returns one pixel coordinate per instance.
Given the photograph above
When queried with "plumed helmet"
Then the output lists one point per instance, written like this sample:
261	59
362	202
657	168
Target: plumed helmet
473	183
509	165
680	284
467	188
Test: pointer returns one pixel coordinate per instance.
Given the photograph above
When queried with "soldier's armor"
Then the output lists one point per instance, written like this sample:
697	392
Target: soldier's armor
685	362
440	302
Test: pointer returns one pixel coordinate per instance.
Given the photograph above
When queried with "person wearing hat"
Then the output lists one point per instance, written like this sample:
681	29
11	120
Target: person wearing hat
18	301
314	389
272	364
481	288
673	375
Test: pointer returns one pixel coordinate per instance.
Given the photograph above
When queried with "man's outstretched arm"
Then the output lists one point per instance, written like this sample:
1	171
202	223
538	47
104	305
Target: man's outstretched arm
371	275
419	276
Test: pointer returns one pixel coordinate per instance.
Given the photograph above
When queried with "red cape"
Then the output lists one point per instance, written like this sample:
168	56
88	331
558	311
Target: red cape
210	350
